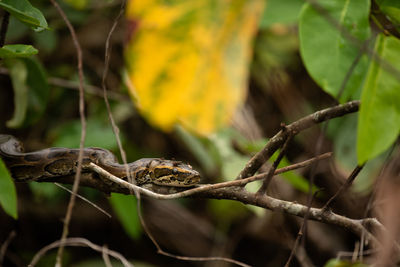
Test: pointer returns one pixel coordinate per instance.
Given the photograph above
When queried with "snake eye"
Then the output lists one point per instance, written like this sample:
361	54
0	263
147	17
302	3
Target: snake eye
174	171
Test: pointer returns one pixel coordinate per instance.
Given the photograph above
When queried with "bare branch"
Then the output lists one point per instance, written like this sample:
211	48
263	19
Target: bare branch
78	242
275	142
272	169
204	259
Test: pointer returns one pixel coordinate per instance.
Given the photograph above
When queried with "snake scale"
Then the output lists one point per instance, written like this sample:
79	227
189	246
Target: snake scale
59	162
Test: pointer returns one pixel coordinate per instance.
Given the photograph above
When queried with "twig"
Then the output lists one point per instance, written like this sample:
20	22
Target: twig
105	255
203	258
75	185
310	197
4	27
91	89
85	199
78	242
346	185
302	230
103	85
271	171
106	175
306	122
4	246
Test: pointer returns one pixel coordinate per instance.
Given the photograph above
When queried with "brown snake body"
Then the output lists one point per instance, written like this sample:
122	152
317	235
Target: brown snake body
61	162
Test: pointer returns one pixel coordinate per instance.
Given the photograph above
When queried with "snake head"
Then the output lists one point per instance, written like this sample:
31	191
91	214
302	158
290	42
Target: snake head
172	173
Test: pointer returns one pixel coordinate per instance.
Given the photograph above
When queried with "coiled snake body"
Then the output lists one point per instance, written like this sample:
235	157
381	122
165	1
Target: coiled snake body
60	162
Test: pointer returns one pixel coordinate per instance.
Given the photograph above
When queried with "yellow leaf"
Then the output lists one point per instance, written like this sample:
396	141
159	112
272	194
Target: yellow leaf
188	60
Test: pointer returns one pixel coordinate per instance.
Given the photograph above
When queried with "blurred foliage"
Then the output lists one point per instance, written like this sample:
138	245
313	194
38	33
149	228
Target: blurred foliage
8	195
344	263
125	207
31	91
343	132
209	40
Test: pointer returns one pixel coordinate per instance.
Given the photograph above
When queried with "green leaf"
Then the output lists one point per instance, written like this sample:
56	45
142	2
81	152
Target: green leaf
31	91
8	194
379	117
17	50
26	13
18	75
283	12
327	53
125	206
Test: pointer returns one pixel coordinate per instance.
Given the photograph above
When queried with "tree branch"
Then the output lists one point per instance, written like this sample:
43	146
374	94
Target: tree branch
277	141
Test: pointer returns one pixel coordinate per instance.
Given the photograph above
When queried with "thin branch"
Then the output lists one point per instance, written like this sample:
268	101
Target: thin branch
105	255
302	230
5	244
85	199
306	122
75	185
347	184
204	259
263	189
4	28
78	242
91	89
103	85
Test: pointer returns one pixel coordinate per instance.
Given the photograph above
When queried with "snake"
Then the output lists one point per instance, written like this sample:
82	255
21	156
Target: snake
56	162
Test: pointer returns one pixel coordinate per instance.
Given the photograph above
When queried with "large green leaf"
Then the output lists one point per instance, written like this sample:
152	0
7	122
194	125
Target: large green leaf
8	194
125	206
25	12
327	53
17	50
31	91
379	119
